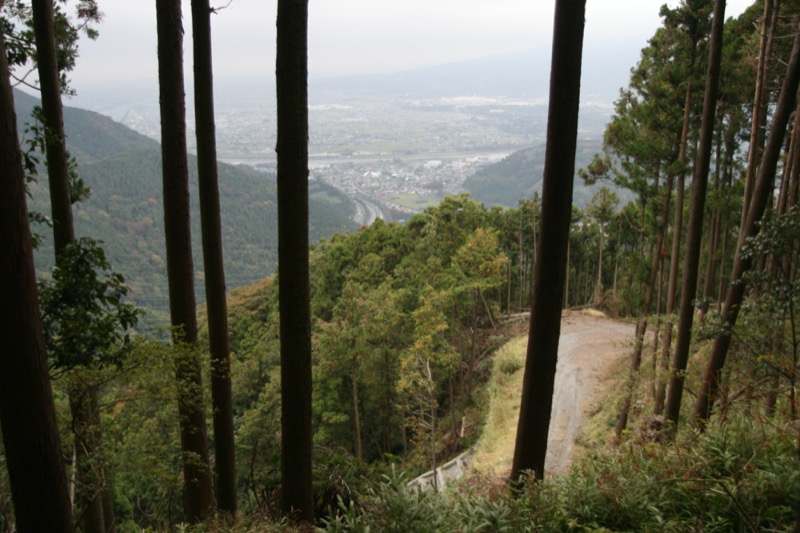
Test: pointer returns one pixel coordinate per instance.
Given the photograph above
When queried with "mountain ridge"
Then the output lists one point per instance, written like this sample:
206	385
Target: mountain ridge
125	209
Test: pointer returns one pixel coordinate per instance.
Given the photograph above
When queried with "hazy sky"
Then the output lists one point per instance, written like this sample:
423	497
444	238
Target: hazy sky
363	36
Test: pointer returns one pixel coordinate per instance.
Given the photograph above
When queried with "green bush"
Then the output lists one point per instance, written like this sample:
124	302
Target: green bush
509	365
740	476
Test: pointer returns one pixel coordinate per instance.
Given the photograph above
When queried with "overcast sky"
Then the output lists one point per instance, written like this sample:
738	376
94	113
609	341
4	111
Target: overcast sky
362	36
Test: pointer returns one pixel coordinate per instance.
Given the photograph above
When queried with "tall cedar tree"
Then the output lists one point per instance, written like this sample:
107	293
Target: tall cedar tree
82	396
291	75
211	227
695	229
198	500
27	414
551	254
55	140
761	192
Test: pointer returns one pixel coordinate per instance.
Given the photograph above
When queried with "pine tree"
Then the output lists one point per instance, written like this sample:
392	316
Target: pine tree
695	229
762	189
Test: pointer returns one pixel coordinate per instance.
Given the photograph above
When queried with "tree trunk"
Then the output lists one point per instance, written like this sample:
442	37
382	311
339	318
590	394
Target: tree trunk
566	280
641	325
598	285
356	417
616	262
452	392
794	185
695	231
677	231
211	227
759	103
84	410
27	414
198	500
90	501
708	281
547	300
761	192
293	271
521	268
55	142
657	334
387	408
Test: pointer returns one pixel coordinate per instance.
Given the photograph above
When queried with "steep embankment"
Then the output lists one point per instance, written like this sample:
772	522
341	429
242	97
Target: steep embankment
589	349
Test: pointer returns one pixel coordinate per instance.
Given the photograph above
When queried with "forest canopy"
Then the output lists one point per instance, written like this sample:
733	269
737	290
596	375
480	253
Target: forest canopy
684	222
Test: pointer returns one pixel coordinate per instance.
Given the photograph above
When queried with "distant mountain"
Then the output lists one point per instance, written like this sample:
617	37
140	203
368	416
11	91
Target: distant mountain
520	175
91	136
125	210
524	74
512	75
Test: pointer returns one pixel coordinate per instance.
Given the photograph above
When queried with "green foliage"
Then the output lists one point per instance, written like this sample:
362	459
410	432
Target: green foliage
84	317
389	506
123	170
141	438
510	365
742	476
520	176
17	26
738	476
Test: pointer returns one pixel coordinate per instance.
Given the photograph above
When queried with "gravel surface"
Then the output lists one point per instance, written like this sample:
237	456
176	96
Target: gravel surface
588	347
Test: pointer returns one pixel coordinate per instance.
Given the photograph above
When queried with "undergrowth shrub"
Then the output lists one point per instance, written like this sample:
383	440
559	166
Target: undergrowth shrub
740	476
509	365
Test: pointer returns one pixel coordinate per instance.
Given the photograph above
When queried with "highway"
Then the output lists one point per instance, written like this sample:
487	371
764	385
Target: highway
368	209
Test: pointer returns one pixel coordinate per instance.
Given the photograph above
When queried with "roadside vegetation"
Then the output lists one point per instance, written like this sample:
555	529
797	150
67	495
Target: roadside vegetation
413	344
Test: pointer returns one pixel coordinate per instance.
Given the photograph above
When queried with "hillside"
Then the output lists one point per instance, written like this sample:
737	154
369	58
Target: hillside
125	210
91	136
520	176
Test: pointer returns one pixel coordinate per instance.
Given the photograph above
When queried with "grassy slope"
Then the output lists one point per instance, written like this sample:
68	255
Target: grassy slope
496	445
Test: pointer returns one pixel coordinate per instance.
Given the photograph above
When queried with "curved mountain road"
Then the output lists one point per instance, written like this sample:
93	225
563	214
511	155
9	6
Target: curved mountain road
588	354
587	350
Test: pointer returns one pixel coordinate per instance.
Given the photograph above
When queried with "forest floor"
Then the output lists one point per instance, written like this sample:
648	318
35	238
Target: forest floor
591	355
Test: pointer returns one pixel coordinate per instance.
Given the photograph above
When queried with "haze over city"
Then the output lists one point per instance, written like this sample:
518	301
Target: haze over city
367	36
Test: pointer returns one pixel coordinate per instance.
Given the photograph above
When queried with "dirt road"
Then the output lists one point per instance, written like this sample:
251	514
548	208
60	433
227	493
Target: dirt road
587	349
